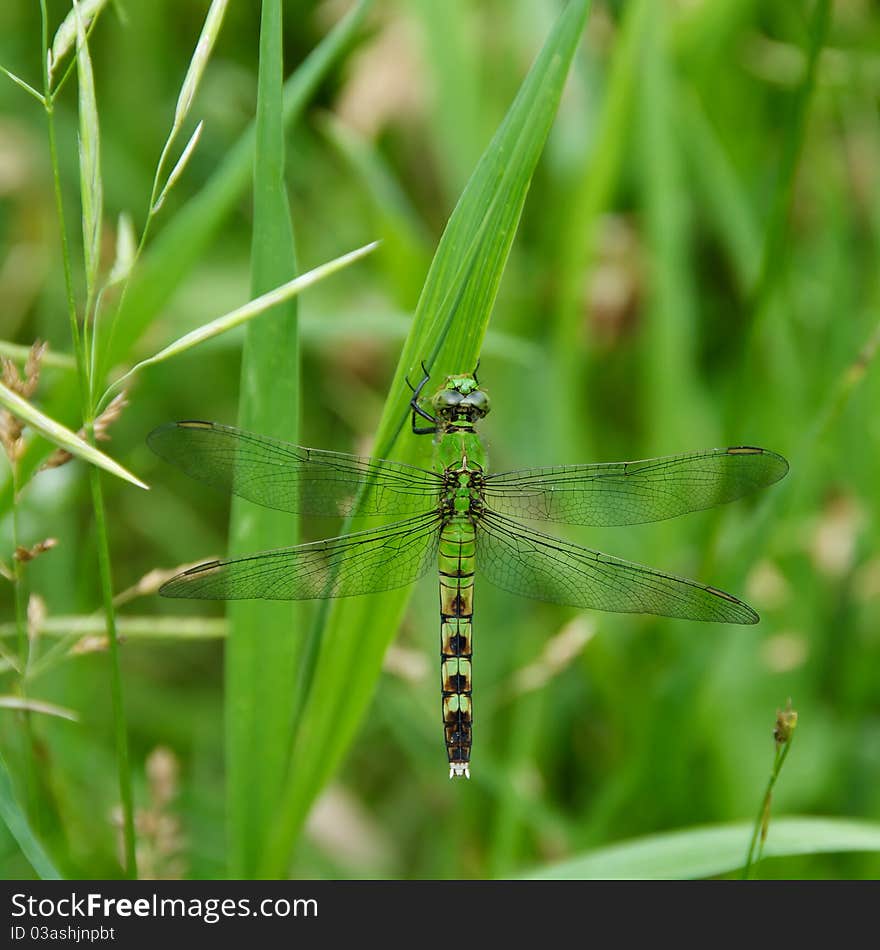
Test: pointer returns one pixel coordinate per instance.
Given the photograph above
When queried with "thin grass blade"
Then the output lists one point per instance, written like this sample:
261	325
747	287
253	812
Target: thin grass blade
148	628
19	827
204	46
179	167
126	249
38	706
247	312
66	34
91	187
62	436
197	64
24	85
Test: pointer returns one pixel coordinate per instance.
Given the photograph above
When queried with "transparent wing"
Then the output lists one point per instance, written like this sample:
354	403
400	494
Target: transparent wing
533	564
359	563
619	493
290	477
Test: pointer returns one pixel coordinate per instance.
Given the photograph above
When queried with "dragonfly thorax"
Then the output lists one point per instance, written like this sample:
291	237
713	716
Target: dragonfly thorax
463	487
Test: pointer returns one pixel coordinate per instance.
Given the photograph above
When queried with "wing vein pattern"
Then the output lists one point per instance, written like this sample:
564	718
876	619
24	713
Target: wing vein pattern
622	493
523	561
360	563
290	477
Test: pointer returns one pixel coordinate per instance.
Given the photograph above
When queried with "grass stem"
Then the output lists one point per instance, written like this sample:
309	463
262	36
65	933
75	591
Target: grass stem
116	694
121	738
23	649
786	720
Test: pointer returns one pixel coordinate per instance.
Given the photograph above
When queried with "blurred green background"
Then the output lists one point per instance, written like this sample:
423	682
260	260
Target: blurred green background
697	264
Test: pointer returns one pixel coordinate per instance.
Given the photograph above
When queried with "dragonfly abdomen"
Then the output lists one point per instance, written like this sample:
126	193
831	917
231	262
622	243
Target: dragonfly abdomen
456	565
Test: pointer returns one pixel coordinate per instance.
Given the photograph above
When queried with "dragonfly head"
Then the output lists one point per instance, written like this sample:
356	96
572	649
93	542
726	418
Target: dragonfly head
460	399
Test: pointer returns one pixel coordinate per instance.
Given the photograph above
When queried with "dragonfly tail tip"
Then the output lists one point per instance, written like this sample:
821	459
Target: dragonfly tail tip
459	768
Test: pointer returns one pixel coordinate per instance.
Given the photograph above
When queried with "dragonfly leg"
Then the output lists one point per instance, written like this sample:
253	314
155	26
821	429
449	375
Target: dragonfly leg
417	409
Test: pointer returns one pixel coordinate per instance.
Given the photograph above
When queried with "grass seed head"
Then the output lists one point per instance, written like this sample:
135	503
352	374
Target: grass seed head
24	554
786	720
101	426
24	385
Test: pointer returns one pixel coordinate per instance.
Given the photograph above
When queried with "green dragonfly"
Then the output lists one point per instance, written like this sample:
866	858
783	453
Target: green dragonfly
458	517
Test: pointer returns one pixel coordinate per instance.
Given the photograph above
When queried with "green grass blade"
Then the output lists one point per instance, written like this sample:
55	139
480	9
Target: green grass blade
263	642
185	239
454	58
774	250
91	188
16	821
62	436
189	87
671	338
38	706
726	201
126	249
765	323
207	38
405	238
584	206
148	628
284	293
66	34
23	85
713	850
179	167
447	331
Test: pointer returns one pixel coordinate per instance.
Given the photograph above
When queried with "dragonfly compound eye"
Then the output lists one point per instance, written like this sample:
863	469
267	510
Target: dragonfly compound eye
447	399
478	402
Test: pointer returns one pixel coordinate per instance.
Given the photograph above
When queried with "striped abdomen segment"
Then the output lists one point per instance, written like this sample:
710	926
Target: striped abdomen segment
457	542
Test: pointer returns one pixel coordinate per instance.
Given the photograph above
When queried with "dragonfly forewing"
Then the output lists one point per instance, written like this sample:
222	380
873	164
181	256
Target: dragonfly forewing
622	493
293	478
